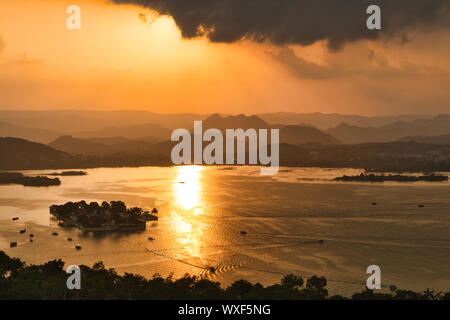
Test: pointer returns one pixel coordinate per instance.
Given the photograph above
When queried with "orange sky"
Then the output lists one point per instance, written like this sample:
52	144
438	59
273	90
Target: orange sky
118	61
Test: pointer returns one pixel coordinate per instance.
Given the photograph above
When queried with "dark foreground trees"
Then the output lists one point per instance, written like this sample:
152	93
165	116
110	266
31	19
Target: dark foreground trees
48	281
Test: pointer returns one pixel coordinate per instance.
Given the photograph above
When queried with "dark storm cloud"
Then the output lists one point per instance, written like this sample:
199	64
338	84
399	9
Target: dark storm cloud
300	22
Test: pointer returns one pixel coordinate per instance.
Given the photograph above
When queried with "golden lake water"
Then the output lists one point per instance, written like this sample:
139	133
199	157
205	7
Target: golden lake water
202	211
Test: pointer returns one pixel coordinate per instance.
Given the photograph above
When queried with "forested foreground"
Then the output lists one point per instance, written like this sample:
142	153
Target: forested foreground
48	281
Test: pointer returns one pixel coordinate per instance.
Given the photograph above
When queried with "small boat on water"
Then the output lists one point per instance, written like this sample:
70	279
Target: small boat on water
78	247
13	244
212	269
243	232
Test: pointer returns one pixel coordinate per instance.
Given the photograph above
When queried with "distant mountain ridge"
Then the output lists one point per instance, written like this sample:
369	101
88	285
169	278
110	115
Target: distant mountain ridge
38	135
74	121
291	134
110	127
240	121
304	134
324	121
439	125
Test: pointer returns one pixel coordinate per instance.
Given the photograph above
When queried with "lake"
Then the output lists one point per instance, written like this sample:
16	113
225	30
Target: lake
203	209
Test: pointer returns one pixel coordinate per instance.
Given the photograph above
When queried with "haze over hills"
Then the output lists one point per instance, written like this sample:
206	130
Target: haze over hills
304	134
76	146
73	121
147	131
439	125
102	147
111	127
325	121
130	141
292	134
38	135
353	134
239	121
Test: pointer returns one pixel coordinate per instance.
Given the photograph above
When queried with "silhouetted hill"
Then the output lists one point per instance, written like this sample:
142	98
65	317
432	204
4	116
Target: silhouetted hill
241	121
38	135
18	154
305	134
353	134
292	134
76	146
439	125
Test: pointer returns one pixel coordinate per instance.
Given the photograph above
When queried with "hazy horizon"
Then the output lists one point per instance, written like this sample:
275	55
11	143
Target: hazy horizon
424	114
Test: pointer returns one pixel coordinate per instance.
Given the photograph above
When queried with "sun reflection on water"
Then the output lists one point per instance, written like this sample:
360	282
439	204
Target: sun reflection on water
187	191
188	186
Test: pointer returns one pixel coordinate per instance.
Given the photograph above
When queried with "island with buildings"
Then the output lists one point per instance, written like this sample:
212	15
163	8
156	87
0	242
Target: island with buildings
392	177
112	216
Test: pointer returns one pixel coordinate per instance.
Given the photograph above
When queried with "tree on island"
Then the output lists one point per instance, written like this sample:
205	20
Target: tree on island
118	207
105	205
